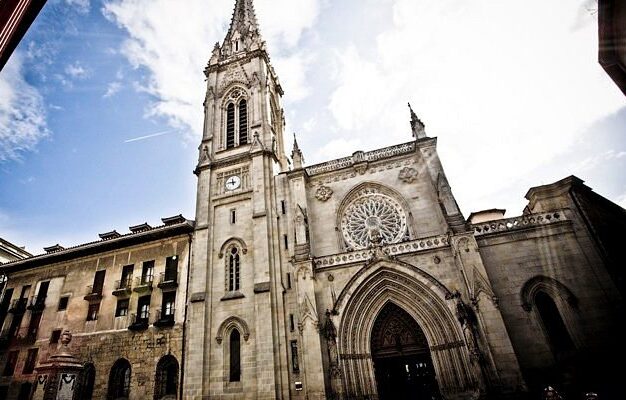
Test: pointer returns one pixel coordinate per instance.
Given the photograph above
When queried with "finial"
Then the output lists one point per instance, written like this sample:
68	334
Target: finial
296	154
417	126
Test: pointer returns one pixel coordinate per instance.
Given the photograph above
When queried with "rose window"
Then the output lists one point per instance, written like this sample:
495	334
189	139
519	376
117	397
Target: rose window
373	218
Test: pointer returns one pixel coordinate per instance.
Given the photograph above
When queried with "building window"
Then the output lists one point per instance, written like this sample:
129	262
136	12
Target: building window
9	367
230	126
119	380
143	308
55	336
235	356
292	325
167	305
98	282
89	381
555	328
171	269
295	363
243	122
92	312
147	272
286	242
233	269
127	277
122	308
283	207
233	216
25	389
237	121
63	303
288	280
31	360
166	380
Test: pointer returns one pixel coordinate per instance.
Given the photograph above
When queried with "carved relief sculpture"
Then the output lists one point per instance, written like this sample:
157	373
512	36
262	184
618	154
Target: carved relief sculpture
323	193
408	175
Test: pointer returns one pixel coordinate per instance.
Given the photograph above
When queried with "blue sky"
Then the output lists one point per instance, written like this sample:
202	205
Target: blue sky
101	105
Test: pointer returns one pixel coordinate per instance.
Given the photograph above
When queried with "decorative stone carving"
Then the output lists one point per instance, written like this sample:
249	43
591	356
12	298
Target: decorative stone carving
408	175
323	193
373	218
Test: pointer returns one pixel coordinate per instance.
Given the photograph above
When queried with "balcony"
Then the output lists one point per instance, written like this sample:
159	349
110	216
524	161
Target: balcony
18	306
37	303
165	318
26	336
123	287
139	322
93	295
168	281
143	284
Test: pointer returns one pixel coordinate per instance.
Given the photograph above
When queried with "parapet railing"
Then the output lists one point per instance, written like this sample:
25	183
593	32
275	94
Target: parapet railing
521	222
428	243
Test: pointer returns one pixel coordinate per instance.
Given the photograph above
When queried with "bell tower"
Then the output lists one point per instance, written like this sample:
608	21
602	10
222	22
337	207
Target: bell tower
243	98
234	324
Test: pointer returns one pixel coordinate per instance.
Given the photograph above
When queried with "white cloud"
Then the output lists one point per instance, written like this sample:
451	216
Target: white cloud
82	6
496	91
175	53
22	112
76	71
112	89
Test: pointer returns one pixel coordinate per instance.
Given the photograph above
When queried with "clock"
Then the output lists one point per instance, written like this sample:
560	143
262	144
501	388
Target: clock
233	182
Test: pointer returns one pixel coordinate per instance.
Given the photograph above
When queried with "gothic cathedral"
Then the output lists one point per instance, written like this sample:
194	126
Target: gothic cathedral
359	278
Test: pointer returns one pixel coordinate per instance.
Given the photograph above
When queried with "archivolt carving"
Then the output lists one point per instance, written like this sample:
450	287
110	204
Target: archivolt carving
234	240
433	282
229	324
424	302
549	285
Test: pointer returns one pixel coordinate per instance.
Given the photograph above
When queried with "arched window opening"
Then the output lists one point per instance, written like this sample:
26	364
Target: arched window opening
230	126
243	122
166	380
119	380
556	330
89	381
25	390
235	356
233	269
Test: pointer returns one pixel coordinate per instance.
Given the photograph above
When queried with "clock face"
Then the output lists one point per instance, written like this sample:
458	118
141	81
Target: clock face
233	182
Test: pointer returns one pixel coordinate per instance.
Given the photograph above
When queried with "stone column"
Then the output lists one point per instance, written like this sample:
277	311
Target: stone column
59	377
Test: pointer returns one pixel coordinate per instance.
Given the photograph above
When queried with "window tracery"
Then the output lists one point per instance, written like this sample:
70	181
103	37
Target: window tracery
373	218
236	118
233	271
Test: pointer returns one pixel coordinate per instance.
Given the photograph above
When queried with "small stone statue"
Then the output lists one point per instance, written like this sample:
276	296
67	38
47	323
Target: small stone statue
550	393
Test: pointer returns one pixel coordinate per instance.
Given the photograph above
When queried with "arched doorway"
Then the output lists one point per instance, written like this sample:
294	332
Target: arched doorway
166	385
402	362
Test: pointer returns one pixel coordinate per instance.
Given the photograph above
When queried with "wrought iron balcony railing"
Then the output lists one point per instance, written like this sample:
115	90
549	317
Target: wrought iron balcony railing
93	294
168	281
143	284
123	287
37	303
18	306
165	317
139	321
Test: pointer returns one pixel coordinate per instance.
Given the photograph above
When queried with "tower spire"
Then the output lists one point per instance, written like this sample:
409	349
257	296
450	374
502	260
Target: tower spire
243	22
417	126
296	154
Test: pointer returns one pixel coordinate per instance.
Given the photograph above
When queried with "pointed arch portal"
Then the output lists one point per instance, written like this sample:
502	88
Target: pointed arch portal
401	356
429	336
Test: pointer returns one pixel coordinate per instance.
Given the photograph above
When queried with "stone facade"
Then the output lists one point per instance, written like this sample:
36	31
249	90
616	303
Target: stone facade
356	278
58	291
